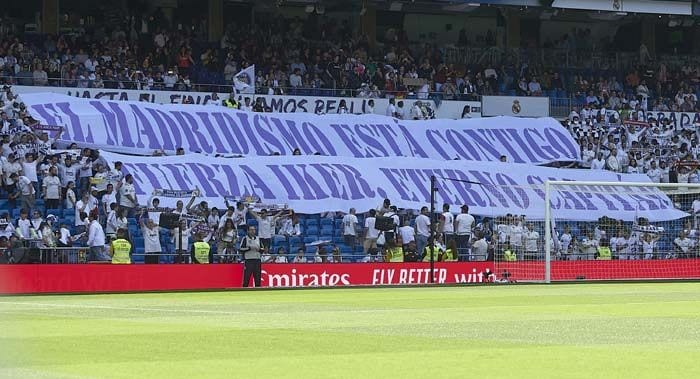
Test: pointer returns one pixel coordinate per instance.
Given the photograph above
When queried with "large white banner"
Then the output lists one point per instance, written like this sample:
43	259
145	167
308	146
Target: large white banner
517	106
313	184
137	127
447	109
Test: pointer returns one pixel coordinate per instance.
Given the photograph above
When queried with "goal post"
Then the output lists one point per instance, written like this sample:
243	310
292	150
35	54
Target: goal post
622	231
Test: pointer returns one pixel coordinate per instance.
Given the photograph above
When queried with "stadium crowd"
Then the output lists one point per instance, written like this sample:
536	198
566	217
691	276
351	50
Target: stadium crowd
73	197
294	56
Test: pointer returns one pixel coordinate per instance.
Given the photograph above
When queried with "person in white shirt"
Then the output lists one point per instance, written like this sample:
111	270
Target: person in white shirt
26	190
587	156
127	192
391	109
70	196
400	111
51	187
265	226
281	256
464	223
182	246
24	225
350	229
300	257
422	229
598	163
447	221
649	245
565	242
588	247
480	248
683	247
407	233
151	240
532	237
82	206
96	240
613	163
111	224
416	111
108	198
622	246
654	173
371	233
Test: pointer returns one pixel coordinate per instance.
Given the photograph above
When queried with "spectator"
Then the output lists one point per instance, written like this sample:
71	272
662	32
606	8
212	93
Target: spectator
464	222
350	229
96	240
51	188
151	239
423	225
371	234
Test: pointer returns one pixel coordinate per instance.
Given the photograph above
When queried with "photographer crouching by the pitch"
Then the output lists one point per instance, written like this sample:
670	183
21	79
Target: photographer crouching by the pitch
251	248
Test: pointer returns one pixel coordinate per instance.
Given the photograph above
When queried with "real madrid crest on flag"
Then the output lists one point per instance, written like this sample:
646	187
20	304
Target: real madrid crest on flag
516	108
244	81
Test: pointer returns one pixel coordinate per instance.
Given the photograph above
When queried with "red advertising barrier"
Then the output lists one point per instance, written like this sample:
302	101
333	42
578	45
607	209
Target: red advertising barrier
603	270
22	279
25	279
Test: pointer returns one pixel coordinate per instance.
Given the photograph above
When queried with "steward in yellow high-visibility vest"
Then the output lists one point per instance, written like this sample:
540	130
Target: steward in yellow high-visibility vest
604	253
438	250
231	103
200	251
449	256
121	248
509	255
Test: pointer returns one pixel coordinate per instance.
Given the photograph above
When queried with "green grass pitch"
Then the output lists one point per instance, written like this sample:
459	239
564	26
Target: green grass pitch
631	330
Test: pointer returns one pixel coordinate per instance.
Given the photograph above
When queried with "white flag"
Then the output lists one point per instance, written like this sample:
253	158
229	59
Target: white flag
244	81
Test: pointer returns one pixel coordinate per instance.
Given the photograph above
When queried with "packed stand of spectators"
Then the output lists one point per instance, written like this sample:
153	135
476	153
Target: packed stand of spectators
306	57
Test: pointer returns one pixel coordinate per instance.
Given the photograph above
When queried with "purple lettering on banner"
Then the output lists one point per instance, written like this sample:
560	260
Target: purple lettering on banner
625	204
331	179
209	127
390	137
114	119
413	145
562	143
359	188
525	148
146	128
463	147
226	125
509	184
203	179
318	139
50	118
262	126
421	182
398	180
544	153
150	177
489	186
167	125
373	148
486	146
188	123
257	183
504	139
248	129
213	177
347	138
291	135
291	194
234	188
466	190
74	121
432	136
179	173
307	185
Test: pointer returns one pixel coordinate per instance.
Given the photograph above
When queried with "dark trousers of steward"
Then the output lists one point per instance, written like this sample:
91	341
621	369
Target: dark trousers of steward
252	267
